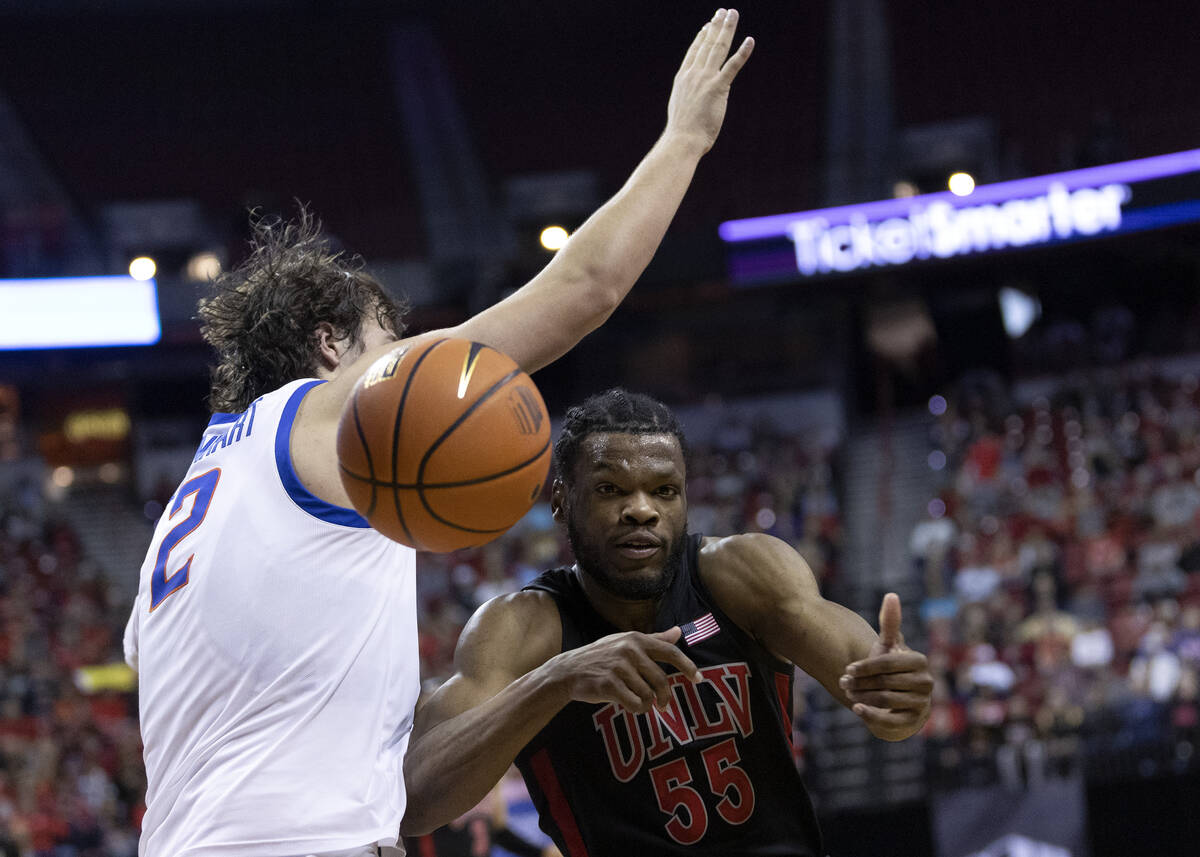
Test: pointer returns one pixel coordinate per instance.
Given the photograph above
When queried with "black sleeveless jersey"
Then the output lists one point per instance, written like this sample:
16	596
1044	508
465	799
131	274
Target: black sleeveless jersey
713	773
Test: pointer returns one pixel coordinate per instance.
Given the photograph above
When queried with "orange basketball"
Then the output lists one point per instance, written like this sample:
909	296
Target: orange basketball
444	444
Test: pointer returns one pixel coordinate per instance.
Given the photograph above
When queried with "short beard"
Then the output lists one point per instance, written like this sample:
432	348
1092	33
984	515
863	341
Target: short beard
592	563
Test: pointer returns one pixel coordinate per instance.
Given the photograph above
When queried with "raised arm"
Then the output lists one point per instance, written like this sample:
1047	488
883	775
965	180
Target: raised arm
588	278
592	273
510	680
769	590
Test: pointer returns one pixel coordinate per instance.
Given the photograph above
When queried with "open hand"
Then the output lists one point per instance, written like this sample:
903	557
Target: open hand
890	688
701	91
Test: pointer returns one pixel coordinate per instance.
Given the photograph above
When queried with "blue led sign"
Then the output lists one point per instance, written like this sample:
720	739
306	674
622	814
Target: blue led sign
1040	210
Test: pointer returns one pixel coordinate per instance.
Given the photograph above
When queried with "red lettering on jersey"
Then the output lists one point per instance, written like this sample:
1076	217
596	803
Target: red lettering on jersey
672	718
735	694
704	727
624	768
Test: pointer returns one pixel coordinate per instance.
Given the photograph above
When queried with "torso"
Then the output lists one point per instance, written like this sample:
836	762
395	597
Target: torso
275	639
712	774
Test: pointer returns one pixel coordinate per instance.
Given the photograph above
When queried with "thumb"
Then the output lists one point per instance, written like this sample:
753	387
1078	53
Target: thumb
671	635
889	621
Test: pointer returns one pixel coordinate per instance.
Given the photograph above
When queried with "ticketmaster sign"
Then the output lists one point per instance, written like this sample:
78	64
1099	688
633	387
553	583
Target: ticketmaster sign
1022	213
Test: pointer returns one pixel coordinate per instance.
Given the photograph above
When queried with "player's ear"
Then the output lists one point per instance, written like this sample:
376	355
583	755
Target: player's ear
558	498
328	353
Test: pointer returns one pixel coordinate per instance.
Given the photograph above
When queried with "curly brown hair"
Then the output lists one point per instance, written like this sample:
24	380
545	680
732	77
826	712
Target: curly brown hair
262	316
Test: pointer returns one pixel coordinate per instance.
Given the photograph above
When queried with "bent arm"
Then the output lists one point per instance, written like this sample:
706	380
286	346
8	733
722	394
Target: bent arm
468	733
769	590
512	679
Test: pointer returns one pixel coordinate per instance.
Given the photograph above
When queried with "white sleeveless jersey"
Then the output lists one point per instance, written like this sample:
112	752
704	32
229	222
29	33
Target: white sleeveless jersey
275	639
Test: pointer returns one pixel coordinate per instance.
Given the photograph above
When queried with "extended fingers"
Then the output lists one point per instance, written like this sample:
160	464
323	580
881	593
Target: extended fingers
634	690
655	678
889	620
628	700
694	50
666	653
734	64
716	47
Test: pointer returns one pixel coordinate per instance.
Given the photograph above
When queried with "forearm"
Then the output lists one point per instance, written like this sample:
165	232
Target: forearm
888	685
845	638
609	252
589	277
450	767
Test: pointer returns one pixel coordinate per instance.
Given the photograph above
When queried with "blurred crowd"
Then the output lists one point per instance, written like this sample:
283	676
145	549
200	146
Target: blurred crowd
1061	574
72	782
1059	565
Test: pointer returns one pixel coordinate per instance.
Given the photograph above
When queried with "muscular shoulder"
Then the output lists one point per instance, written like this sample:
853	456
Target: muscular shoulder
510	635
753	560
753	575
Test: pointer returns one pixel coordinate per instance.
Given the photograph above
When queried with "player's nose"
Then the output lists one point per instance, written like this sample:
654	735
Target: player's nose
639	509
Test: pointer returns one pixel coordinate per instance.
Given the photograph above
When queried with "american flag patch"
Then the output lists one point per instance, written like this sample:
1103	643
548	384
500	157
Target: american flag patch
699	629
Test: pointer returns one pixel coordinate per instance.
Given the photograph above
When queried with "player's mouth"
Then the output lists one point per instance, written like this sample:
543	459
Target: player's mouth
640	545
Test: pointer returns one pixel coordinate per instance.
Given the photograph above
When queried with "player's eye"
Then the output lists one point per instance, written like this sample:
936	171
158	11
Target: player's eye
606	489
668	491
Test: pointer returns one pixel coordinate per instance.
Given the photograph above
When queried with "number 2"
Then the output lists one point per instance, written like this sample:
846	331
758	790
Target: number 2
725	778
203	486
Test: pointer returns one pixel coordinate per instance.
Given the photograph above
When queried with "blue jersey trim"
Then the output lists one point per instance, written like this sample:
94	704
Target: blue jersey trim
302	497
220	419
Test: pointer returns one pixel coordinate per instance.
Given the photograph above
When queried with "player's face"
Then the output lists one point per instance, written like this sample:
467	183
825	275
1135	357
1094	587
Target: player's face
626	512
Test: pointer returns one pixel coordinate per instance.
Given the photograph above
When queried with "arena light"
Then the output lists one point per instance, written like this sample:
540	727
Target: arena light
961	184
1018	310
143	268
78	312
554	237
203	267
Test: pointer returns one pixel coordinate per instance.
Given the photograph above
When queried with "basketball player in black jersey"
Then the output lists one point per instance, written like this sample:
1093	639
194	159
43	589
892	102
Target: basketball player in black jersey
645	692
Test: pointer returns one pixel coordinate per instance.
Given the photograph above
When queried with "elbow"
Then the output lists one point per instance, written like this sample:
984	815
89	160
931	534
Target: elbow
416	822
601	288
420	816
419	810
591	304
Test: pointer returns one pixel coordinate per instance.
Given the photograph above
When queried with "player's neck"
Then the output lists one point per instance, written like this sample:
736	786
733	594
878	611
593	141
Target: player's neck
625	614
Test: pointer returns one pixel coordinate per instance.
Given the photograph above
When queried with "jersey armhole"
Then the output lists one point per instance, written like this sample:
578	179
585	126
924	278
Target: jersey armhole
301	496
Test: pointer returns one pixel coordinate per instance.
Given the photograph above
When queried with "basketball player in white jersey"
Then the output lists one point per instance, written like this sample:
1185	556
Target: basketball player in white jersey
274	632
